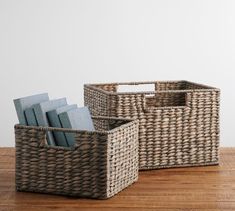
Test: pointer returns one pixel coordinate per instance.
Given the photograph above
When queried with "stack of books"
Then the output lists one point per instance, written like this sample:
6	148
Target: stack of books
39	110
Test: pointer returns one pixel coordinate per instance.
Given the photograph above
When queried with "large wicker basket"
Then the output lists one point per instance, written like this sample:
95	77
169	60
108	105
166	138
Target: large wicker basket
101	163
179	121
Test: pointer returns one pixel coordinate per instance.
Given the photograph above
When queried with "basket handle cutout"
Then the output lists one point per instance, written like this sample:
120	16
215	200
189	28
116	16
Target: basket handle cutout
41	140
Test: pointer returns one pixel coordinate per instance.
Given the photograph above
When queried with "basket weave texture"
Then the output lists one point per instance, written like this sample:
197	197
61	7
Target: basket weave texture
178	121
101	163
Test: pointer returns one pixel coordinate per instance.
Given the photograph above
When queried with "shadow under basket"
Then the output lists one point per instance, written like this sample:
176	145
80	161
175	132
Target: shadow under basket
99	165
178	120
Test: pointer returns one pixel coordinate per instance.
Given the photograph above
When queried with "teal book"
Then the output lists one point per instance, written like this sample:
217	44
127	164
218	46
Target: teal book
54	121
30	117
21	104
79	119
40	111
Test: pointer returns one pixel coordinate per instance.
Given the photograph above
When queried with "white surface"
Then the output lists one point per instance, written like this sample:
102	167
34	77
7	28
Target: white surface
56	46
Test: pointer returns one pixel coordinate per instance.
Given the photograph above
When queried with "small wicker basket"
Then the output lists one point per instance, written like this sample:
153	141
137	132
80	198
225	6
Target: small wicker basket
101	163
179	120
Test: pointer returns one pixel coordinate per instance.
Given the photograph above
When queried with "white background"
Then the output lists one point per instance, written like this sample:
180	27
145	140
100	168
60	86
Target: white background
56	46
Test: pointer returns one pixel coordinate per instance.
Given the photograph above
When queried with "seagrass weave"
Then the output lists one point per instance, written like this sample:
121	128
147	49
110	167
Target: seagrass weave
101	163
178	120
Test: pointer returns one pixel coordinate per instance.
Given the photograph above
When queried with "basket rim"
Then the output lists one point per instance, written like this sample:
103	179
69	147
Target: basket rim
204	88
129	122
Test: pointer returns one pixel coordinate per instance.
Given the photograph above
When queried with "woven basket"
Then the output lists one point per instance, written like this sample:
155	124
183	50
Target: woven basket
179	121
101	163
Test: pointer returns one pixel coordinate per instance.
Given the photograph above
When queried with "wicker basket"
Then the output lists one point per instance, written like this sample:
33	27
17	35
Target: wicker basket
101	163
179	121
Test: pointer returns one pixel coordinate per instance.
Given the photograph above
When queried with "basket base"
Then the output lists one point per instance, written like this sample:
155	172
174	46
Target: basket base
179	166
70	194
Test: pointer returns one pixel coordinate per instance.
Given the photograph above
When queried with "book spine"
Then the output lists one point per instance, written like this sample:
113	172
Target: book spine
64	119
40	120
54	121
30	117
20	112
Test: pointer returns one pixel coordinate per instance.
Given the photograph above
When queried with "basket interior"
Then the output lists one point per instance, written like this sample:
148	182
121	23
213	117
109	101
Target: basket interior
108	124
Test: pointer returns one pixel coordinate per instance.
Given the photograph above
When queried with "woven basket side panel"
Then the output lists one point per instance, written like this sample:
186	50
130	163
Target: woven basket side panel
182	136
123	159
113	100
97	102
78	172
129	105
27	158
108	87
192	86
204	125
94	168
168	85
175	137
101	124
180	85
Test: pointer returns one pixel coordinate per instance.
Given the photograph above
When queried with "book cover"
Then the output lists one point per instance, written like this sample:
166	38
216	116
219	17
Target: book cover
30	117
54	121
26	102
79	118
40	110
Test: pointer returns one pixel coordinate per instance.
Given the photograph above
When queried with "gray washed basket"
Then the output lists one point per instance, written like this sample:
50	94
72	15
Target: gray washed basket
178	122
101	163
